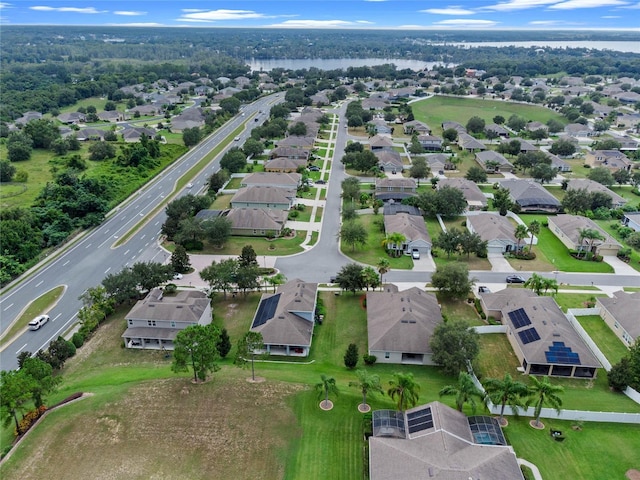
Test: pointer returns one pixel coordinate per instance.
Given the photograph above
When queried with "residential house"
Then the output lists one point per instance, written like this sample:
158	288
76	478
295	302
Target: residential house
430	143
568	227
525	146
416	126
112	116
620	313
592	186
455	125
27	117
154	322
374	103
273	179
381	126
531	196
434	441
498	129
614	160
283	164
393	208
290	152
395	189
578	130
389	161
440	162
264	196
476	200
414	230
497	162
400	325
71	118
540	334
557	162
496	230
285	319
470	144
296	142
533	126
378	143
256	222
632	220
134	134
146	110
90	134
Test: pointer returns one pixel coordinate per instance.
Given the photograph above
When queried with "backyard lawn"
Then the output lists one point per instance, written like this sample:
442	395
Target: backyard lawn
610	345
262	246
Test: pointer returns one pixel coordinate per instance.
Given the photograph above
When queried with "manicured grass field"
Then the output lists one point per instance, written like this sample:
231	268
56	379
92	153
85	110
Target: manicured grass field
554	251
610	345
373	251
435	110
262	246
441	258
575	300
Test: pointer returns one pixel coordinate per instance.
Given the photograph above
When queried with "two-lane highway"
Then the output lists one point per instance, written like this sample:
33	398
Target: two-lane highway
91	258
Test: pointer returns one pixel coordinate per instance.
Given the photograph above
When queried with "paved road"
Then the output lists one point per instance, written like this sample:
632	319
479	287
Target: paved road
94	256
324	259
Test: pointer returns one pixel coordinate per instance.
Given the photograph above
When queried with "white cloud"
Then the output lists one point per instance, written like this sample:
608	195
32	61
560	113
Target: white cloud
312	24
4	5
128	13
454	10
611	16
511	5
552	23
466	23
365	22
634	7
220	15
193	10
573	4
43	8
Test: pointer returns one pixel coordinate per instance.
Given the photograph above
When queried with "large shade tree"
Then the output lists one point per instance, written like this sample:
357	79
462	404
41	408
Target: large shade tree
455	346
197	347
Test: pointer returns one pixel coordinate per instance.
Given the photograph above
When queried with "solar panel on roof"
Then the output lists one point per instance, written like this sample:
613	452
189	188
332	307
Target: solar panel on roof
420	420
266	309
529	335
559	353
519	318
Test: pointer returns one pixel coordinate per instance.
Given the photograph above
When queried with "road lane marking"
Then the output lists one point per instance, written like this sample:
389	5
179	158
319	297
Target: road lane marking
20	349
66	263
107	270
40	283
125	253
88	245
7	308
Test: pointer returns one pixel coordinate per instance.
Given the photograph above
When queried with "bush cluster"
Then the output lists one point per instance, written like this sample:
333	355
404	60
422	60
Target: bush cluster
29	418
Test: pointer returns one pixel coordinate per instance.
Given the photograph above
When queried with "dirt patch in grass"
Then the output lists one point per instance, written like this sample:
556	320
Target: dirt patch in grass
227	428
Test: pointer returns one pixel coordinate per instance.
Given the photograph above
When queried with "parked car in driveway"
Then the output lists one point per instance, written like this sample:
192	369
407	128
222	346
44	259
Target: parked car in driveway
415	254
314	168
321	182
483	289
38	322
515	279
177	276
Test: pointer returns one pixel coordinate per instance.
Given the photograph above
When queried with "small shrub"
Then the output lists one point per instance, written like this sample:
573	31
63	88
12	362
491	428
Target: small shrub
72	348
77	339
294	214
369	359
351	356
170	288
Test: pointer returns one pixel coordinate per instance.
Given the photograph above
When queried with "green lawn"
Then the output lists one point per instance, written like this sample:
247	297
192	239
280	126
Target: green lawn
606	226
441	258
262	246
610	345
373	251
303	215
556	254
575	300
435	110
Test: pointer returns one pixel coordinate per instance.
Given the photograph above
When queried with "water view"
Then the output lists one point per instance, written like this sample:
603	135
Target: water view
336	63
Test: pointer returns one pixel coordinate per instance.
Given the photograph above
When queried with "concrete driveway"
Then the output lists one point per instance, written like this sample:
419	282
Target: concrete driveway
619	266
499	263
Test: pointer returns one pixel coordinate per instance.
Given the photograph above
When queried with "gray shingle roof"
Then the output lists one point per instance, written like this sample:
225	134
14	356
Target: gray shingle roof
624	307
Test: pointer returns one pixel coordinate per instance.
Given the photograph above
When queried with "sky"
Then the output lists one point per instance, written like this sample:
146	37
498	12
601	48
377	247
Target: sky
368	14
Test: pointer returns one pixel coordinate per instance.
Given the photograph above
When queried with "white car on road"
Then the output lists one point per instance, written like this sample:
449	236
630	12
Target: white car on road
37	322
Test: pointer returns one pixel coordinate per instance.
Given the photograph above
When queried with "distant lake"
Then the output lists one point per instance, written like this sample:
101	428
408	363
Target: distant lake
336	63
633	47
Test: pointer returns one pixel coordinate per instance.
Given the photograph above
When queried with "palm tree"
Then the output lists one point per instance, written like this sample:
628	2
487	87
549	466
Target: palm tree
590	234
520	233
535	282
326	386
396	239
506	392
549	283
465	392
534	229
383	267
367	383
404	389
543	392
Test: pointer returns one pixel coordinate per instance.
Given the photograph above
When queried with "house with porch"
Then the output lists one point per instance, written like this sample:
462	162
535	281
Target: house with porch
476	200
256	222
590	186
284	165
496	230
396	189
614	160
620	313
430	143
499	130
435	441
414	230
154	322
470	144
272	179
400	325
568	227
286	318
379	143
542	338
493	162
290	152
389	161
261	196
531	196
416	126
